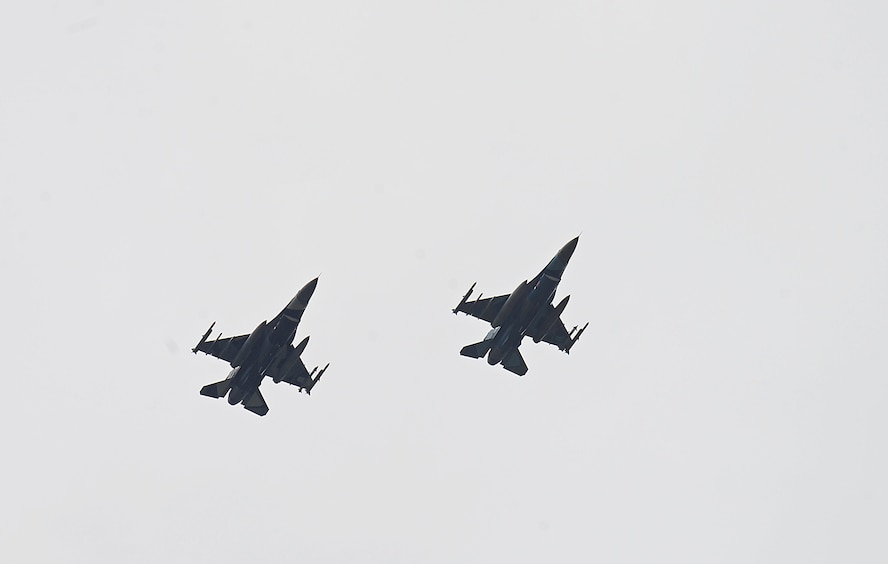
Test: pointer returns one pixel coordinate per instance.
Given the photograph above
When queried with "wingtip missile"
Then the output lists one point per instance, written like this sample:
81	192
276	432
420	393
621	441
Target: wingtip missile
576	338
204	338
464	298
321	373
317	378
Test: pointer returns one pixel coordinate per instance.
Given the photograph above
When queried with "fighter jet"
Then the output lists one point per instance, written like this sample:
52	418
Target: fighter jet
267	351
526	312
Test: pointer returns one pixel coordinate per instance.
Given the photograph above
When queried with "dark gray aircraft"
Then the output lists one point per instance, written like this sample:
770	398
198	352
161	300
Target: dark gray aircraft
267	351
526	312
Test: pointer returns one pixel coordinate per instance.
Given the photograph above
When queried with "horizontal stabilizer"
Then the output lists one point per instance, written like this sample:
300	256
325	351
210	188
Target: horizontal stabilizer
476	350
217	390
515	363
256	404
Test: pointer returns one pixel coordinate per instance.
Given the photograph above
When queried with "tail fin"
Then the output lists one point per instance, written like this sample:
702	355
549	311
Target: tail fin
515	363
217	390
476	350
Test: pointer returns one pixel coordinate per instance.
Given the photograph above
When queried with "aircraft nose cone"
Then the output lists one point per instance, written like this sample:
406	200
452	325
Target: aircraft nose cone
567	250
303	295
557	265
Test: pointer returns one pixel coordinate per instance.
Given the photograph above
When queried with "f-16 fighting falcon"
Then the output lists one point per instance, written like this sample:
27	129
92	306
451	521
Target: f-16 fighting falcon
267	351
526	312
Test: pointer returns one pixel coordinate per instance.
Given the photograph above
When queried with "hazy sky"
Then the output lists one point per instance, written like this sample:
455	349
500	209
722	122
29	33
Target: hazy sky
167	164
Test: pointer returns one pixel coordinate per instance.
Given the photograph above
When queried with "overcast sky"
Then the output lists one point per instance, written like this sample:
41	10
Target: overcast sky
168	164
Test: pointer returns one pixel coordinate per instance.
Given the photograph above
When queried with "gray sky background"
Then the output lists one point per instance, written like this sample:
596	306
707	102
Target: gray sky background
167	164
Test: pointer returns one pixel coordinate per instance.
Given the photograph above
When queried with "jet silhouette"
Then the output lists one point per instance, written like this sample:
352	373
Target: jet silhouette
526	312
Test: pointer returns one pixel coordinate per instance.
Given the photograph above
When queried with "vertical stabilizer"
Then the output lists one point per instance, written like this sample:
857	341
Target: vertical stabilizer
217	390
